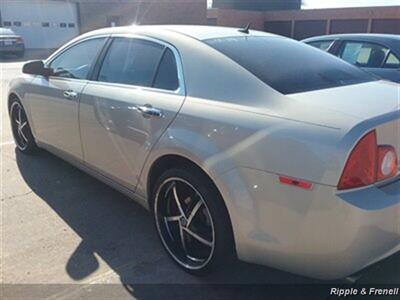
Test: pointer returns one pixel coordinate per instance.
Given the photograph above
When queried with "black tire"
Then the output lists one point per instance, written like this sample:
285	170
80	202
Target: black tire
23	136
223	250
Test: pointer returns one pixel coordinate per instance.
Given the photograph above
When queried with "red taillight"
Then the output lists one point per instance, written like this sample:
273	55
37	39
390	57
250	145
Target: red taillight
360	168
368	163
387	162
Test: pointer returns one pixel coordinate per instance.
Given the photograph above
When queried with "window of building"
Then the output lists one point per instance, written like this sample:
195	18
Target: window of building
17	23
63	25
7	24
131	61
77	61
71	25
45	24
366	55
279	27
167	74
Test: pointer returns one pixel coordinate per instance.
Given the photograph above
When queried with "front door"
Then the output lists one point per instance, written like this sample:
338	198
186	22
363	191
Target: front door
137	95
54	100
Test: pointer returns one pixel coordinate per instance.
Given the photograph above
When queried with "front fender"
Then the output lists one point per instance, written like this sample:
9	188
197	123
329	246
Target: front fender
19	87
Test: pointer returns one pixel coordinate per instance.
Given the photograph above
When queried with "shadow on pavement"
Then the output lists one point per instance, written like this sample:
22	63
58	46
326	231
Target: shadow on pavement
121	232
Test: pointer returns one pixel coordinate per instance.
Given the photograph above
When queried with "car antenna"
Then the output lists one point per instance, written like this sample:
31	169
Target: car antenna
245	29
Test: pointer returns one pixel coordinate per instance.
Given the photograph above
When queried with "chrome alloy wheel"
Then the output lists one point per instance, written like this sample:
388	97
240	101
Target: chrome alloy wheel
19	125
184	223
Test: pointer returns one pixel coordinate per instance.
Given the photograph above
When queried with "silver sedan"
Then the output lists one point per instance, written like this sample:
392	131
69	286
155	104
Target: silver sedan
241	143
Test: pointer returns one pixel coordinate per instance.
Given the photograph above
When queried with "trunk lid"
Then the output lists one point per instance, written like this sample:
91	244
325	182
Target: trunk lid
362	101
356	109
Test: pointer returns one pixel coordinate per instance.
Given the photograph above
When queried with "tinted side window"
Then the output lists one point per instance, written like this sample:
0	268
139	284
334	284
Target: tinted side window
364	55
289	66
392	62
76	61
131	61
323	45
167	74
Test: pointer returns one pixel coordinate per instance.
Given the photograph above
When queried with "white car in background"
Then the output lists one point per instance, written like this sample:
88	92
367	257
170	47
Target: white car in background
241	143
11	43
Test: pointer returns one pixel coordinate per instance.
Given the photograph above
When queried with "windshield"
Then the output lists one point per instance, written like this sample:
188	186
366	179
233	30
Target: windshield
6	31
289	66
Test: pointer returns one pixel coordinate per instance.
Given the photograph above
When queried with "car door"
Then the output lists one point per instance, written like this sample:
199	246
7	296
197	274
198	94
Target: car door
54	100
135	95
371	57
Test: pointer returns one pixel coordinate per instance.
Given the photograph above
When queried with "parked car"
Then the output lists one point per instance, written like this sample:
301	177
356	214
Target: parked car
11	43
376	53
241	143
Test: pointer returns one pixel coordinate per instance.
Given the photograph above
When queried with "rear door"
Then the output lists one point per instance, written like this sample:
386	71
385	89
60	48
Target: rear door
135	95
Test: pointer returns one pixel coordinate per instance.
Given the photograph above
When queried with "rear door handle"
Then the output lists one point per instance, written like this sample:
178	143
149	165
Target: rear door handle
70	94
149	111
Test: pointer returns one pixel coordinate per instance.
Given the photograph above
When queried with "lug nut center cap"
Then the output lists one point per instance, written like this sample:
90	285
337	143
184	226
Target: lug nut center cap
183	222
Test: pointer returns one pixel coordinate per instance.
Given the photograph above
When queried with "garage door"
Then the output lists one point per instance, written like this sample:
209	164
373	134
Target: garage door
41	23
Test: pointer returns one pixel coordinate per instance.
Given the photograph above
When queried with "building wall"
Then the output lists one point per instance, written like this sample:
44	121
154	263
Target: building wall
301	24
41	23
100	13
257	4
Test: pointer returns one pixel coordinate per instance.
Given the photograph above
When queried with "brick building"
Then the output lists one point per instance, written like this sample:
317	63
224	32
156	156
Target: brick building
103	13
300	24
257	4
50	23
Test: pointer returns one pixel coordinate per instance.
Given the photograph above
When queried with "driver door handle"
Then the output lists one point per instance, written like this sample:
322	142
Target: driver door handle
149	111
70	94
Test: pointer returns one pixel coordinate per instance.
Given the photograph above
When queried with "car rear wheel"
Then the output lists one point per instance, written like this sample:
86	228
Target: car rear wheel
192	221
20	128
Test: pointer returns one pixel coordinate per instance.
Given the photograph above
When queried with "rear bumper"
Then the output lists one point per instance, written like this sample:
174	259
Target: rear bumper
318	233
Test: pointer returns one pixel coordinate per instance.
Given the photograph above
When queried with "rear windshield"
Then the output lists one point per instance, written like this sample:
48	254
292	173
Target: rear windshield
287	65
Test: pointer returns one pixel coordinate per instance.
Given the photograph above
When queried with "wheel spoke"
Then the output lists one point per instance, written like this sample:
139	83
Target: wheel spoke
181	234
197	237
172	218
178	203
194	212
22	135
21	126
20	115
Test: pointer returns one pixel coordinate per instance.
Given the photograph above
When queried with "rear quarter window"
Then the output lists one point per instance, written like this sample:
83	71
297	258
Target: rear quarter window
323	45
289	66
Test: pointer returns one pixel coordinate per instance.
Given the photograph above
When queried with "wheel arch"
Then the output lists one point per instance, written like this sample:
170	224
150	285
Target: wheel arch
12	96
167	161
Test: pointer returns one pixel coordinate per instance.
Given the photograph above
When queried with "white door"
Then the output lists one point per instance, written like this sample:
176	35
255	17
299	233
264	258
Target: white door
41	23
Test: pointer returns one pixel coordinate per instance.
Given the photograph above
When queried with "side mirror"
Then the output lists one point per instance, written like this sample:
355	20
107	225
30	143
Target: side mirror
36	67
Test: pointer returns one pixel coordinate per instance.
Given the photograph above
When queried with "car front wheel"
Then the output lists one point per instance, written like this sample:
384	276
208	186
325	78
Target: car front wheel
20	128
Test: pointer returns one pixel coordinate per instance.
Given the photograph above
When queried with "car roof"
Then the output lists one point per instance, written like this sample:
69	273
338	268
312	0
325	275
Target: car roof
198	32
369	37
